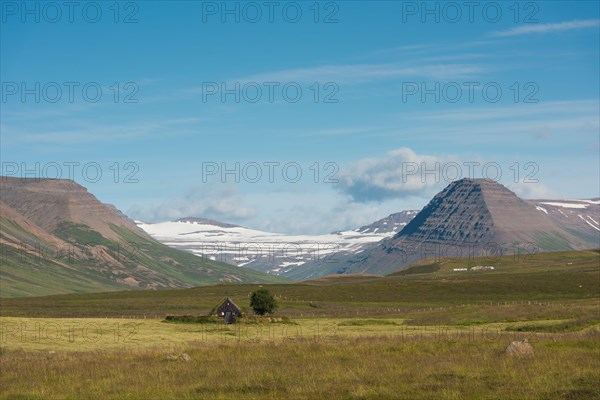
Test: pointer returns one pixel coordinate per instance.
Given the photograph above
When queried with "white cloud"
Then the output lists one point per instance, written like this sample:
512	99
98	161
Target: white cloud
532	190
400	173
359	73
549	28
226	205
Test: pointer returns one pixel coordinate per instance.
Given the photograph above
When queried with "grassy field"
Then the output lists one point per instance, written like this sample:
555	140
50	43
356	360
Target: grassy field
548	277
364	367
99	334
427	333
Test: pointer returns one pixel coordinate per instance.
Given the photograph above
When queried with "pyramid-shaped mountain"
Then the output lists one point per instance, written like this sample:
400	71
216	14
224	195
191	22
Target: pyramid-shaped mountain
475	211
470	217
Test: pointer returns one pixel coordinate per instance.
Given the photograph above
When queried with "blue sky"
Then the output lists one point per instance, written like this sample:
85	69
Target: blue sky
363	92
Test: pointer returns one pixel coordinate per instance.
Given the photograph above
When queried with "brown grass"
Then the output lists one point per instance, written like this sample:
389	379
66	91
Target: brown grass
565	366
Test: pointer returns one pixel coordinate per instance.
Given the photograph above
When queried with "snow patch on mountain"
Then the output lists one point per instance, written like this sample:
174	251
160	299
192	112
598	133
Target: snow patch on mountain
270	252
565	205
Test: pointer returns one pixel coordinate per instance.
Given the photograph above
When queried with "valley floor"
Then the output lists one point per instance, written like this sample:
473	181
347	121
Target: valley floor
426	333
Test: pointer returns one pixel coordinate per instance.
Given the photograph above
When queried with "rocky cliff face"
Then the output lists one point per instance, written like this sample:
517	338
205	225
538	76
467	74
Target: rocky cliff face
458	215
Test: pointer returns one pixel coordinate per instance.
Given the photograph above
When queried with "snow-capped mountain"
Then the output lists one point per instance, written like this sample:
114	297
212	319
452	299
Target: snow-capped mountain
266	251
308	256
393	223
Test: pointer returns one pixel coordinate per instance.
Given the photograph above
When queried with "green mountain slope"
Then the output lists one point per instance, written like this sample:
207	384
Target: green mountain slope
55	237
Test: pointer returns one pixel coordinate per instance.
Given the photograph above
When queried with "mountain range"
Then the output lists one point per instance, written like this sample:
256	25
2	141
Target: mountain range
470	217
56	237
274	253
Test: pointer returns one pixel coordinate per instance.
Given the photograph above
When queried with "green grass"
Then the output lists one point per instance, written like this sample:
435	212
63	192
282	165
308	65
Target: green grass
12	228
80	233
570	325
555	278
420	269
551	241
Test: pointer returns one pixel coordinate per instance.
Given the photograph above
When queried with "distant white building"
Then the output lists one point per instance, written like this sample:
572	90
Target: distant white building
482	267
